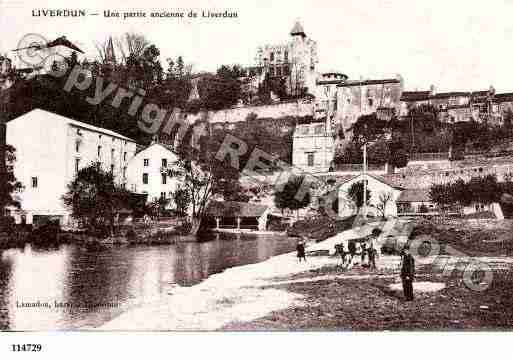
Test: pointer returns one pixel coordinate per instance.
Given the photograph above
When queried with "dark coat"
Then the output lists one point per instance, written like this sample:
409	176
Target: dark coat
408	267
300	250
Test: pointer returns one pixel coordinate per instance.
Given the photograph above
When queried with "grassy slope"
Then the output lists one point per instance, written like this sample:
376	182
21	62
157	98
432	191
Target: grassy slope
368	304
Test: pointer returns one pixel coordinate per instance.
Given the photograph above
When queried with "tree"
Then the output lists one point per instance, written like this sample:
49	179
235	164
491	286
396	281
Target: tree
442	196
218	92
94	198
290	196
182	200
368	128
383	199
355	193
202	174
131	44
9	185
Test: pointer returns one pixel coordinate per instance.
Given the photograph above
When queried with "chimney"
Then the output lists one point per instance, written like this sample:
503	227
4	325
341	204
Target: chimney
432	90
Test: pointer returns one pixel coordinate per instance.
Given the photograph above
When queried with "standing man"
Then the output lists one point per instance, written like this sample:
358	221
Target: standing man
351	246
301	253
407	273
372	253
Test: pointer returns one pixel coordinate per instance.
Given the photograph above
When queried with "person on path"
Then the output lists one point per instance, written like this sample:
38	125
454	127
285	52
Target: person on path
364	252
352	252
372	253
407	273
340	250
301	253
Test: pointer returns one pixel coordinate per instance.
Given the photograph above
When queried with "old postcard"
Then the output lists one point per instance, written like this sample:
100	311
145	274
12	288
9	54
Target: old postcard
255	166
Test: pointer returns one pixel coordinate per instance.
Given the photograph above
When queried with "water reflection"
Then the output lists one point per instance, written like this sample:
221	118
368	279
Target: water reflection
121	276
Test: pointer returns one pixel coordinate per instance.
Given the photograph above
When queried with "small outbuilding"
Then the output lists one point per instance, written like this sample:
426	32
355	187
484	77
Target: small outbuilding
415	200
237	215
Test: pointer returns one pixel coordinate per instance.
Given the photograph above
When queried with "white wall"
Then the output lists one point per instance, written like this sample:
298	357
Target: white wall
45	148
376	188
88	152
40	143
154	153
307	140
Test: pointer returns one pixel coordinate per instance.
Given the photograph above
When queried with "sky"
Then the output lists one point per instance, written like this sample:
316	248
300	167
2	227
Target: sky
454	45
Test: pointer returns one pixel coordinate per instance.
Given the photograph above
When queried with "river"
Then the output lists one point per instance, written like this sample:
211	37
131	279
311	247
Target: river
72	287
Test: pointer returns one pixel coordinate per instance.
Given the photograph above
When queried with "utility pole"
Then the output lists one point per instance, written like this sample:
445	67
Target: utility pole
364	211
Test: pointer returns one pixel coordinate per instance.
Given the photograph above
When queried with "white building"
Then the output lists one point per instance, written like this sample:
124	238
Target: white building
313	147
377	188
50	150
147	173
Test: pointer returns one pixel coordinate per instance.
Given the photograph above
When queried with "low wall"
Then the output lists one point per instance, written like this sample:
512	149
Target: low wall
240	114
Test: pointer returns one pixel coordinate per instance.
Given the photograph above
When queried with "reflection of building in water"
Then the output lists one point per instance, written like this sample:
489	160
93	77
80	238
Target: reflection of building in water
29	284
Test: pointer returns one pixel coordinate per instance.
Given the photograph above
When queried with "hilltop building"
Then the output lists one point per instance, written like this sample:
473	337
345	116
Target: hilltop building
294	61
50	150
461	106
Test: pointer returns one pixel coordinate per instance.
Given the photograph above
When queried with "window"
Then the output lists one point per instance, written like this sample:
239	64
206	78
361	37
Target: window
272	56
145	178
99	151
77	165
146	162
286	56
124	172
112	154
164	162
163	195
164	178
371	102
310	159
77	146
271	71
286	71
124	156
34	182
111	168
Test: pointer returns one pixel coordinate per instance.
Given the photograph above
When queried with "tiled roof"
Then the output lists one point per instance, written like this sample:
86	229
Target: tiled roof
369	82
504	97
415	95
388	181
235	209
442	95
75	123
329	82
414	195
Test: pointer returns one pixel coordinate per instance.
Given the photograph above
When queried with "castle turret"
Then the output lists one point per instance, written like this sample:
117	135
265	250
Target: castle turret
298	30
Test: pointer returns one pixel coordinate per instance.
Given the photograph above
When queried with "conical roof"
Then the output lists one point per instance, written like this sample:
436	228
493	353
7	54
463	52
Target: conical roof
298	29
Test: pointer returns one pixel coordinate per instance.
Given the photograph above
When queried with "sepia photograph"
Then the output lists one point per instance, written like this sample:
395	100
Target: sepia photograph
256	166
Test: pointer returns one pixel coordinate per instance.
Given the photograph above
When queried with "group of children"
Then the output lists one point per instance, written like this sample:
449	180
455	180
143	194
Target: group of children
365	249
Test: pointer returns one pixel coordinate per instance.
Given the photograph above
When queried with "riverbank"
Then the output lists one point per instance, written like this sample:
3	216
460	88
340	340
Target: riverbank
282	294
238	294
